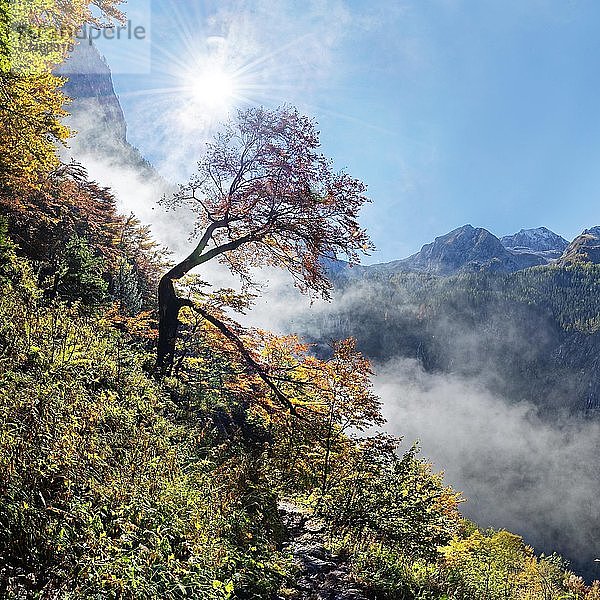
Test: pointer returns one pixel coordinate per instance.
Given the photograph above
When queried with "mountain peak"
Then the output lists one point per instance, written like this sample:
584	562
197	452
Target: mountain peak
471	249
585	248
540	241
466	248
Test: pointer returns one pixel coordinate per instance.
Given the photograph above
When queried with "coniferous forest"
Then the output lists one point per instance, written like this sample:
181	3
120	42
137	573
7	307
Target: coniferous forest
152	446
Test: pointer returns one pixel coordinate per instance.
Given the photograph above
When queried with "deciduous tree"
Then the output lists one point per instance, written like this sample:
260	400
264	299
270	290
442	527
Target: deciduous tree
265	196
35	35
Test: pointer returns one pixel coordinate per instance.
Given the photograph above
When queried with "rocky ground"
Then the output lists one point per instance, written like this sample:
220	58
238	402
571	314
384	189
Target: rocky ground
322	575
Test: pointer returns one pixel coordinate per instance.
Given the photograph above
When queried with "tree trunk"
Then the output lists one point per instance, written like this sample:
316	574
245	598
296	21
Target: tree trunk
168	325
169	304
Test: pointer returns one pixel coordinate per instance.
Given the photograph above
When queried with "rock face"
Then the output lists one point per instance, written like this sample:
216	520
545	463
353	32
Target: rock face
101	146
540	241
585	248
96	115
95	109
466	249
322	575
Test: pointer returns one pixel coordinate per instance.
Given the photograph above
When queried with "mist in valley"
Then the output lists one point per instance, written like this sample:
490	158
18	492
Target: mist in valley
522	465
518	468
518	471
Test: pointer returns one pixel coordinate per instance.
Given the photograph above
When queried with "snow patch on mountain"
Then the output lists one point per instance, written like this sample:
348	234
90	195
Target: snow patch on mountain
539	241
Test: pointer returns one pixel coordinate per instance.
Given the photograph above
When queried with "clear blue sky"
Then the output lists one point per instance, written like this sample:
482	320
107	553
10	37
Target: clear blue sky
453	112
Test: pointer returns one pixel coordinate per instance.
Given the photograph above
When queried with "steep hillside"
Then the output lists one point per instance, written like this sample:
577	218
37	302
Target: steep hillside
533	334
246	467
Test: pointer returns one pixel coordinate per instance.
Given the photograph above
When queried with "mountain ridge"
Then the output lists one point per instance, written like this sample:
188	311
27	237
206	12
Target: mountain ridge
466	249
469	249
539	240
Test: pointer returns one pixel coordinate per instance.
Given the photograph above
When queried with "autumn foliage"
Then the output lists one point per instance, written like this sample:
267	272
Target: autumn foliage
116	483
265	196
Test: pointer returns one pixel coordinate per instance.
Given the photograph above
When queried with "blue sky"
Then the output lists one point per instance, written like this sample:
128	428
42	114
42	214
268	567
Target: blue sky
483	111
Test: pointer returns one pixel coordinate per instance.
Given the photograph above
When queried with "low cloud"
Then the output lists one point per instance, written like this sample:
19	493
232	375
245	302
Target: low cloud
517	470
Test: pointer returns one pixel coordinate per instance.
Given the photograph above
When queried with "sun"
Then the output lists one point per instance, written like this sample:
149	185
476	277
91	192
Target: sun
212	90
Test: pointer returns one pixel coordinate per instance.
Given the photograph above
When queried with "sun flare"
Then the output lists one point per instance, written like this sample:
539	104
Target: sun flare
211	90
209	78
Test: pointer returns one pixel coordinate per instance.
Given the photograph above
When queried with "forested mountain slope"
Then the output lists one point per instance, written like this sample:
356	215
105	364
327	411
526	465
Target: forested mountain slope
122	480
531	335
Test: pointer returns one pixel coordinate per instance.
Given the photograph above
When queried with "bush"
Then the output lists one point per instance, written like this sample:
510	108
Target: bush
107	487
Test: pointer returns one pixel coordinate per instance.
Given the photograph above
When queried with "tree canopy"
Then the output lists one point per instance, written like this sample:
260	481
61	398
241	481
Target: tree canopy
35	35
265	196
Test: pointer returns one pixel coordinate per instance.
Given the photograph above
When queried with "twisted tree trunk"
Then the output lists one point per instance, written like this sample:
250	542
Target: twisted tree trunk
169	304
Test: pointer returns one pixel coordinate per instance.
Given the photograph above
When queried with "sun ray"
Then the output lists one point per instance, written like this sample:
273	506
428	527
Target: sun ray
216	68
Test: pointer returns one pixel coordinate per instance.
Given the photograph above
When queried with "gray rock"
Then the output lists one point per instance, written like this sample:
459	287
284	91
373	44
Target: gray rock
323	575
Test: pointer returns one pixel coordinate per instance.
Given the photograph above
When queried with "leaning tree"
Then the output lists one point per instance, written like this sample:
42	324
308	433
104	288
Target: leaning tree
264	195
